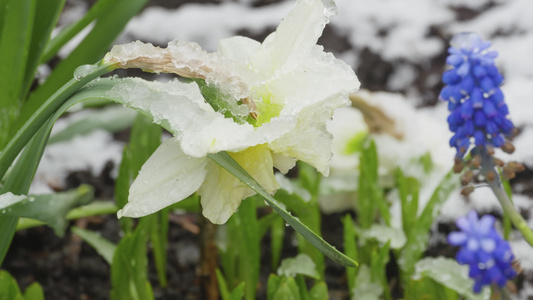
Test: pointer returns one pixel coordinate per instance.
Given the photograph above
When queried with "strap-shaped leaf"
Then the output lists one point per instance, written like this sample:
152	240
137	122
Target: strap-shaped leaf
228	163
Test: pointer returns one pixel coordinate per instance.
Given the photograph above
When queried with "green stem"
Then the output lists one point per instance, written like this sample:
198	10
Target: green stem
501	195
511	211
24	134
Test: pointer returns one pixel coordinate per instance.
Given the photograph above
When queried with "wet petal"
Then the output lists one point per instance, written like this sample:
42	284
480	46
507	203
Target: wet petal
222	193
298	32
168	176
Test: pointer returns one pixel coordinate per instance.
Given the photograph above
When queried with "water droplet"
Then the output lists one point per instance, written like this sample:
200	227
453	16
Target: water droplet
83	71
51	202
31	199
4	211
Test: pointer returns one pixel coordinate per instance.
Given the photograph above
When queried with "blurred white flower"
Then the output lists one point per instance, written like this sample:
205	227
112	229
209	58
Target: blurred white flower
273	100
422	133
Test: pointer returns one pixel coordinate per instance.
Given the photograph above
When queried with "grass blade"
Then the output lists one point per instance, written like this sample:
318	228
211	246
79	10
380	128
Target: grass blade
418	238
105	248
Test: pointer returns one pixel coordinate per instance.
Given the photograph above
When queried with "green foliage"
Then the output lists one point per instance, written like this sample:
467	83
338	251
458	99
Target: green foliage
129	277
92	209
370	197
290	282
236	294
112	118
105	248
452	277
10	290
240	254
350	249
299	265
408	189
366	287
49	208
110	17
301	197
418	237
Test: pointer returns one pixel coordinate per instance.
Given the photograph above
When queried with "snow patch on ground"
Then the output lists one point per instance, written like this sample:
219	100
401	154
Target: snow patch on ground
89	152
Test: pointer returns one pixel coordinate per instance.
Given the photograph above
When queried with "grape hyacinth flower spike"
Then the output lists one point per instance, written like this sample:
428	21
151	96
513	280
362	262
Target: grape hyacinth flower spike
479	119
488	255
478	113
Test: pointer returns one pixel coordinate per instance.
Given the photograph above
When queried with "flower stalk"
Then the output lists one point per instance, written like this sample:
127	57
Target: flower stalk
488	167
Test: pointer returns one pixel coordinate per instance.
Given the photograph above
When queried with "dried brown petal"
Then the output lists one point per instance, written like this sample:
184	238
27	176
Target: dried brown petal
508	147
467	177
491	176
467	190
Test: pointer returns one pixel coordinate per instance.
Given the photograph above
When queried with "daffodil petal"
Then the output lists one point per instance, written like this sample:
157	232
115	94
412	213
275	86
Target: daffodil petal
238	48
283	162
168	176
222	193
298	32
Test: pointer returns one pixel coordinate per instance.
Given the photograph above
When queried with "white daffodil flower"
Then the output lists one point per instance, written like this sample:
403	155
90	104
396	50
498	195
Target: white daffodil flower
273	100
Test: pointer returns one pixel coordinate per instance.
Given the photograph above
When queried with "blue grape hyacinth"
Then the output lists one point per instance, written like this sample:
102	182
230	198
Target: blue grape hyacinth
484	250
478	113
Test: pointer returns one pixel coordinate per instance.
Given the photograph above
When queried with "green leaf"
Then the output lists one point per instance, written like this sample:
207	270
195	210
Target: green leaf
449	273
129	278
242	248
48	208
10	289
112	118
369	194
105	248
302	287
379	261
228	163
272	285
428	289
69	32
45	20
34	292
365	287
319	291
277	234
110	20
384	234
418	238
287	290
301	197
38	126
159	240
237	292
15	40
47	113
222	285
301	264
92	209
350	249
408	188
